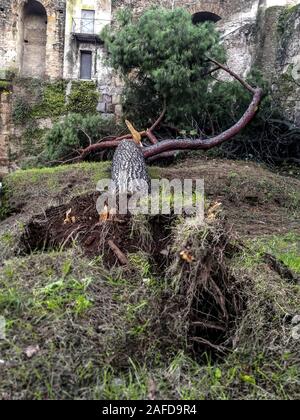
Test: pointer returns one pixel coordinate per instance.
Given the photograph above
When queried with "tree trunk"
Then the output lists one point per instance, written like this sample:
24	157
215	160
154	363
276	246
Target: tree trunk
129	171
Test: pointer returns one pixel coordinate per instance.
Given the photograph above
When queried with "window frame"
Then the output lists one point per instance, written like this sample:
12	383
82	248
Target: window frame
84	27
81	72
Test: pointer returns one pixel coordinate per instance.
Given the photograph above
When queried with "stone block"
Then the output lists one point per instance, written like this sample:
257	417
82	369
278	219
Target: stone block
101	107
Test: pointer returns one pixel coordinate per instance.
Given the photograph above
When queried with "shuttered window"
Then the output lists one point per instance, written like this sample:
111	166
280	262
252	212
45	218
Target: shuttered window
87	21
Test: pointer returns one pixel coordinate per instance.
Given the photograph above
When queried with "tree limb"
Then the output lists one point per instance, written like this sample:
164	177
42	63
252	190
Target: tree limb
234	75
115	141
118	253
167	147
206	144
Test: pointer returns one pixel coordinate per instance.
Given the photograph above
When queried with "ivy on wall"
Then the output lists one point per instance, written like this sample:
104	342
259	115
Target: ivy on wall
53	100
34	100
50	100
83	98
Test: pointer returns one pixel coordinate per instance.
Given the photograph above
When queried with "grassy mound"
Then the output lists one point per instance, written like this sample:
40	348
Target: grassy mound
198	311
255	200
217	323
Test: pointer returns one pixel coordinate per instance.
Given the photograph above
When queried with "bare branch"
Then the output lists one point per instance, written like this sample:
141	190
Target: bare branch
161	117
151	137
206	144
234	75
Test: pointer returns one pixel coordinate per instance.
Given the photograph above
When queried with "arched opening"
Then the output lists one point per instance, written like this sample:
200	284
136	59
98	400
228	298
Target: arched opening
201	17
33	39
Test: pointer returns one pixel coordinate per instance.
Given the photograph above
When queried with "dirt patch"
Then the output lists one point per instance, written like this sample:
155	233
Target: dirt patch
256	201
78	221
203	298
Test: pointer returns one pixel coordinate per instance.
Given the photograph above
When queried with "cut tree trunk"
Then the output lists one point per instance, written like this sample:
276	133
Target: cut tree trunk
129	171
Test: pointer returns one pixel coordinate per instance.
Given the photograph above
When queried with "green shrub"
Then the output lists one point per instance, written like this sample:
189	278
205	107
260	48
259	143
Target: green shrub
75	132
83	98
5	85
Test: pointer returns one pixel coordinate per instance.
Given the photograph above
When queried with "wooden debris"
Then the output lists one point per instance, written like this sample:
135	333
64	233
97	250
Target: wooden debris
69	218
118	253
135	134
104	215
187	256
213	211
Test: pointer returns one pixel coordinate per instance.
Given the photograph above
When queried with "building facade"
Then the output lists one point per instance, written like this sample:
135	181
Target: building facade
32	37
60	39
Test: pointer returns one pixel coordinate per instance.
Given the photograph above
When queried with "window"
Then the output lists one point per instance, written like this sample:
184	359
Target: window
86	65
87	21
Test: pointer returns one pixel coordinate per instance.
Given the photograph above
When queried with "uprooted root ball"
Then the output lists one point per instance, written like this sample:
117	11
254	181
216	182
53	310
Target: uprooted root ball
198	298
210	295
78	222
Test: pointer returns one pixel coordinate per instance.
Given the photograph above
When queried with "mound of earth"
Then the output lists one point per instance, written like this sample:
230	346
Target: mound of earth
256	201
150	307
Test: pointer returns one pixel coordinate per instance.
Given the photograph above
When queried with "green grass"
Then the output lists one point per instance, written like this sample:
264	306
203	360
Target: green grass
60	295
184	379
284	247
95	331
42	187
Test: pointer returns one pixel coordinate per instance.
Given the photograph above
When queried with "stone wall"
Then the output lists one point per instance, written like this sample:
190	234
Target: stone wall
288	61
223	8
5	130
12	36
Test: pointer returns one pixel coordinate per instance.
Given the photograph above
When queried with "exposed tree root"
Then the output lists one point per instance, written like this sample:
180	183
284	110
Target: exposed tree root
119	254
201	299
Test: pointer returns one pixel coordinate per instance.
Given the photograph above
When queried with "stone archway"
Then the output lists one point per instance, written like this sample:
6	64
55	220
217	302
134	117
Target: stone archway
33	39
215	7
201	17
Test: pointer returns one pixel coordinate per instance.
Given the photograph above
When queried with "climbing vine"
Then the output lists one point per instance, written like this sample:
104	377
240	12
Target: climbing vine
83	98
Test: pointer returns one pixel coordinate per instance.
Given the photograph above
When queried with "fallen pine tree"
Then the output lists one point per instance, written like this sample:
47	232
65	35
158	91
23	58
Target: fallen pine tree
167	147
